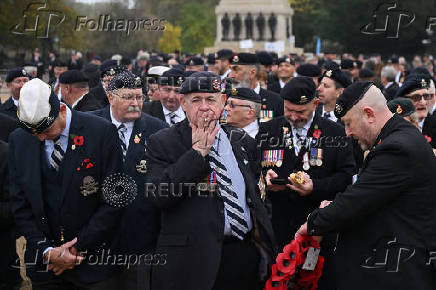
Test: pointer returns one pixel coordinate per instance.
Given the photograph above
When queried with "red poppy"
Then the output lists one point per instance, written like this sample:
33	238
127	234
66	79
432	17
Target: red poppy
428	138
316	133
78	140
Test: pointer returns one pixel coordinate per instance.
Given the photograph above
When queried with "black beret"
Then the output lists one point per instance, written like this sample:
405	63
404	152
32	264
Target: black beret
420	71
59	63
211	58
366	73
244	94
16	73
110	67
125	80
285	59
413	83
173	77
309	70
351	96
126	61
394	59
338	76
402	106
203	82
348	64
195	61
72	76
299	90
265	58
359	64
224	54
330	65
244	58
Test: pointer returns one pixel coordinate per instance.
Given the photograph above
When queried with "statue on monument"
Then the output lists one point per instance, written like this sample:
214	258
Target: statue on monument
225	23
249	26
272	23
260	22
237	23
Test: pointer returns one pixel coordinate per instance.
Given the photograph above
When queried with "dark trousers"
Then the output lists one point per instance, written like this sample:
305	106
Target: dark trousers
65	282
9	263
239	267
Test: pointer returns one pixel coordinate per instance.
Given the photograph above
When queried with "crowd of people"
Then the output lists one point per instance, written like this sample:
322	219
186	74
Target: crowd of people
180	171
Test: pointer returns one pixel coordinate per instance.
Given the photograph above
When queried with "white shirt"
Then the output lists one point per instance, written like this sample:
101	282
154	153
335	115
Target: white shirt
252	129
15	102
421	124
225	74
129	126
282	83
59	92
257	89
388	85
180	115
303	131
433	109
331	117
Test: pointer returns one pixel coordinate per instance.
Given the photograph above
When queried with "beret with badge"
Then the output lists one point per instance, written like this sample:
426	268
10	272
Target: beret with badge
309	70
72	77
110	67
17	72
350	97
299	90
173	77
38	106
202	82
338	76
402	106
244	94
125	80
286	59
194	61
244	58
347	63
413	83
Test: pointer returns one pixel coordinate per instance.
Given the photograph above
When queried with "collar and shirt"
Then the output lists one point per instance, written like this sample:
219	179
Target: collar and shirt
77	101
178	117
226	74
252	129
282	83
299	135
329	115
129	127
226	156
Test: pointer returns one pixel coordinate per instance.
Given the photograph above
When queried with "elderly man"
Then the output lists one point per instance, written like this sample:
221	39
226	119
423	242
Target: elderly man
15	80
244	74
58	163
390	87
416	88
303	141
168	108
332	84
386	219
140	222
74	87
203	179
243	108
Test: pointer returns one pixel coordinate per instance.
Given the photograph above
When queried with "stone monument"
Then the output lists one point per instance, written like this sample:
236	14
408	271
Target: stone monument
250	25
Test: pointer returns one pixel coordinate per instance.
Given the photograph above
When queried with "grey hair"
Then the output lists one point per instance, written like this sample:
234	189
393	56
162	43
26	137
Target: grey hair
389	73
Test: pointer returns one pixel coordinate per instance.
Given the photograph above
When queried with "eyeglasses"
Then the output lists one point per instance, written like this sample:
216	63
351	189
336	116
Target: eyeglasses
233	105
20	81
418	97
129	98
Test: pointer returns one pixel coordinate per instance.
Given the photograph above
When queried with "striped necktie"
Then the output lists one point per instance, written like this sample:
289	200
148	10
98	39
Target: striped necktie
235	212
122	130
327	115
172	118
57	155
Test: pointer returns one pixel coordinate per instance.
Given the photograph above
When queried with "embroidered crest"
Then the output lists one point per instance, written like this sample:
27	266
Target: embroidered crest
89	186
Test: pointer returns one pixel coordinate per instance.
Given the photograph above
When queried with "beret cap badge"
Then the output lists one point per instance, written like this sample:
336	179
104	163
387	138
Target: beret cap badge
399	109
423	83
24	72
234	92
235	58
111	72
303	99
216	85
329	73
137	81
338	109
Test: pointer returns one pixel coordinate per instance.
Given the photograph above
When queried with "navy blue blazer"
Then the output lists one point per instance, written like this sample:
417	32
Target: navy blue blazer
140	224
88	217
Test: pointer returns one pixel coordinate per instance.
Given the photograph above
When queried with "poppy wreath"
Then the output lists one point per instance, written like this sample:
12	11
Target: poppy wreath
287	272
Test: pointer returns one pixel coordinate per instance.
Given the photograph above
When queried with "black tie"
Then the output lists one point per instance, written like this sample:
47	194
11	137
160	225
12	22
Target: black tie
327	115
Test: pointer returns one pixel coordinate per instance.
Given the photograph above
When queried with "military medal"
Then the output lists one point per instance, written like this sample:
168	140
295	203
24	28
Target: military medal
313	156
141	167
306	165
266	115
319	157
262	187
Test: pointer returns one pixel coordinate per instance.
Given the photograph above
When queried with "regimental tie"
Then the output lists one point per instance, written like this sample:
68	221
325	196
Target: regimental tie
122	130
235	212
327	115
57	155
301	140
172	118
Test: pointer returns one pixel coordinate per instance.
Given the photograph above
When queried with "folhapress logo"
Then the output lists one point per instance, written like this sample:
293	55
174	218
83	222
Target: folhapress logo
388	20
38	20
